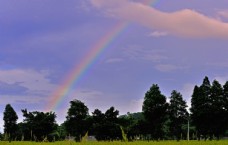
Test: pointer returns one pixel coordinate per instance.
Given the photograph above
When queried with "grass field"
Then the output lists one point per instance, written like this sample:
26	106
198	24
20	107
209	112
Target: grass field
122	143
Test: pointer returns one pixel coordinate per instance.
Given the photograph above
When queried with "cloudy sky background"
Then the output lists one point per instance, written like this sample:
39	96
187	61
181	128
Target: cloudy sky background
171	43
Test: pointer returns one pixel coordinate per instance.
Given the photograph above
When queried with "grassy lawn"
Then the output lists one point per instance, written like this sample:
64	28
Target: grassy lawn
223	142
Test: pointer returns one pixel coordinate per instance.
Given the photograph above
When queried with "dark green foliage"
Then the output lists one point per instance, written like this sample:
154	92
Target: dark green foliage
1	136
24	132
155	111
10	122
135	116
200	105
217	111
178	115
106	125
134	125
111	114
195	107
98	116
208	108
61	132
113	131
225	105
38	125
139	130
225	93
76	123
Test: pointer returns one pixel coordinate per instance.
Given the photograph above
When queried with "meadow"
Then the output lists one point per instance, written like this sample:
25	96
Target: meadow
222	142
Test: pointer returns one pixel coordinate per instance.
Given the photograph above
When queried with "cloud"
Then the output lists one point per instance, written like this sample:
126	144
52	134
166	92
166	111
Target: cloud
221	64
24	88
185	23
12	89
223	13
158	34
29	82
168	67
148	54
20	99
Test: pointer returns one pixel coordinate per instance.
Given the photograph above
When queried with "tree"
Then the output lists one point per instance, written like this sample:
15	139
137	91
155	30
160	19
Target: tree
61	132
113	131
209	109
195	106
98	116
111	114
217	111
106	125
178	114
10	122
225	103
24	132
134	125
200	108
225	93
155	111
76	124
39	125
1	136
98	119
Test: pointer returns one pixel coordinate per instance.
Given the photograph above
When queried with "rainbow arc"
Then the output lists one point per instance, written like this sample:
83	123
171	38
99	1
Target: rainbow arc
73	77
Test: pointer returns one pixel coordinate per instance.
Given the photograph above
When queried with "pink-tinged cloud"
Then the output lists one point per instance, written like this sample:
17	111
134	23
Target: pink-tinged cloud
223	13
185	23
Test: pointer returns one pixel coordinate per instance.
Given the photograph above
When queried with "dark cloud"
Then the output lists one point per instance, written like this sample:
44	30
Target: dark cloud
12	89
18	90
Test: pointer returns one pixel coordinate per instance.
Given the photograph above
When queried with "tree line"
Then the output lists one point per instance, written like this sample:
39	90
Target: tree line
159	119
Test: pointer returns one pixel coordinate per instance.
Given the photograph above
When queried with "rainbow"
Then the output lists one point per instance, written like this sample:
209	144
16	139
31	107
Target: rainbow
74	76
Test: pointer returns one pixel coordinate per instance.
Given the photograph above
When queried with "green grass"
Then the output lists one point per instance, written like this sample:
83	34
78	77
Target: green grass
121	143
223	142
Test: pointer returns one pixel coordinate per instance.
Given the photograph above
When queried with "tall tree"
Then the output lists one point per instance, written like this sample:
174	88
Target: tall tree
10	122
195	107
39	125
225	104
217	112
201	105
76	123
178	114
225	93
209	109
155	111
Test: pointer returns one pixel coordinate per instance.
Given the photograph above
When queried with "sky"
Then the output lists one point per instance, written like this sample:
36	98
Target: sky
107	52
